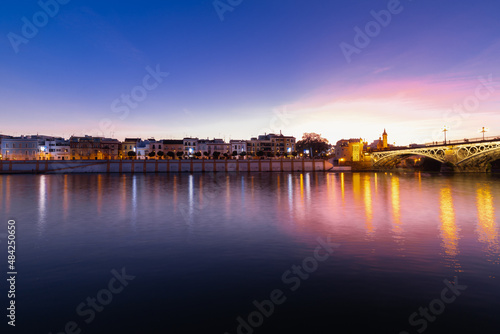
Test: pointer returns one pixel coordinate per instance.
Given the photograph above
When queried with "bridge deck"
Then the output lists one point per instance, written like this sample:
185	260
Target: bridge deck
441	144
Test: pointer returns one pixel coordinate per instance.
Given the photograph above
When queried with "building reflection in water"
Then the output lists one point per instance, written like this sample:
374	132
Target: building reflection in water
396	204
65	198
278	190
301	184
200	192
227	180
7	197
308	187
356	187
42	203
134	201
174	191
368	203
487	229
124	192
190	197
6	203
99	193
449	230
1	192
342	186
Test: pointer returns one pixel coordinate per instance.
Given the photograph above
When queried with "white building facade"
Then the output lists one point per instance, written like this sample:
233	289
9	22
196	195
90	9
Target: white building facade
20	148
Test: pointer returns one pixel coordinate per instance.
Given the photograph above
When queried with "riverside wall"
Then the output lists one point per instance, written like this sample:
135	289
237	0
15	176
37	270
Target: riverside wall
161	166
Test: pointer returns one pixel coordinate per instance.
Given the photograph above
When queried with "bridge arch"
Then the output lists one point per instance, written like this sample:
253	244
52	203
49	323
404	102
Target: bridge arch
477	157
388	158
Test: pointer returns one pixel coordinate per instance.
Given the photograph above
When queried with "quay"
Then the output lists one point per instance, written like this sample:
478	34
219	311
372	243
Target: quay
162	166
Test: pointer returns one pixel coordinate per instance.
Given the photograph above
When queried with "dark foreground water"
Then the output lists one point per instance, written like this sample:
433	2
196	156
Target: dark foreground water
253	253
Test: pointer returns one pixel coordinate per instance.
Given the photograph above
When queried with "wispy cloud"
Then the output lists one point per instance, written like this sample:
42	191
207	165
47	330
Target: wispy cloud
380	70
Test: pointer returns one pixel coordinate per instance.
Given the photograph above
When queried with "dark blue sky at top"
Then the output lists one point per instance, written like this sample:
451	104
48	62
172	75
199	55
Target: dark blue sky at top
263	55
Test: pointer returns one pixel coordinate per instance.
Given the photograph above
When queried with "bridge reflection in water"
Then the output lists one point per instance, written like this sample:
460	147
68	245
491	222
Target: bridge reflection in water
487	229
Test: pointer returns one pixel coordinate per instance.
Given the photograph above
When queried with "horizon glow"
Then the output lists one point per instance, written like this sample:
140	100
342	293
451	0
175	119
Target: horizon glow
266	67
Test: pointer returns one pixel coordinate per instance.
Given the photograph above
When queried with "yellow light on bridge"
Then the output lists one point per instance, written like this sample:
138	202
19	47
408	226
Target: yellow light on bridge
445	129
484	130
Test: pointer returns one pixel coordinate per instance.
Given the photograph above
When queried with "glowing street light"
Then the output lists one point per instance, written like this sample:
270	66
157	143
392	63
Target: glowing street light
484	130
445	129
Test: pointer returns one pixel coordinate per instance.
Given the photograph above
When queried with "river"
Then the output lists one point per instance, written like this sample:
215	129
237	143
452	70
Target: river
254	252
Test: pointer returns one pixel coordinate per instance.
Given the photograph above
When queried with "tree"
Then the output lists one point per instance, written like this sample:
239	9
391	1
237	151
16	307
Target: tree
152	154
294	153
270	154
206	154
313	142
171	154
160	154
180	154
216	154
198	154
226	155
278	154
235	153
131	154
242	154
260	153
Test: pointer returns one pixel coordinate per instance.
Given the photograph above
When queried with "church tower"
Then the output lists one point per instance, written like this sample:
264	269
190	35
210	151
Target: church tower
384	138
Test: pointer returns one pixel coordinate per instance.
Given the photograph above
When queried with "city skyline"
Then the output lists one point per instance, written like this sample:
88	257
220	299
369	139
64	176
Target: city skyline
343	70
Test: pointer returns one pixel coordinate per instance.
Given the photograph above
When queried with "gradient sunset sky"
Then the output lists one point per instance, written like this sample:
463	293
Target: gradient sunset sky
269	65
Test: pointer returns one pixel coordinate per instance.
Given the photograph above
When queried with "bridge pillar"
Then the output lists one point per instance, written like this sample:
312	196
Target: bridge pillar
474	168
450	156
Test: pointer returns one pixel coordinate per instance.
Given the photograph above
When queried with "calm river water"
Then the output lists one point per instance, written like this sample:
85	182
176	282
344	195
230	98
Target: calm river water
254	253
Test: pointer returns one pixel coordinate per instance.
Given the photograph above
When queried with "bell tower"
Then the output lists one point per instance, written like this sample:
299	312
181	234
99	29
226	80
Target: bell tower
384	138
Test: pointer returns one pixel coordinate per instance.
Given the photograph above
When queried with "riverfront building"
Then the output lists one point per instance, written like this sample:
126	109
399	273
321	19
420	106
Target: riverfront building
20	148
349	150
272	145
54	149
173	145
95	148
238	146
130	145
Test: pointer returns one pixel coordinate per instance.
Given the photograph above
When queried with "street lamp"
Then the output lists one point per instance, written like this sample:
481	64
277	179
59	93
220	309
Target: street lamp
484	130
445	129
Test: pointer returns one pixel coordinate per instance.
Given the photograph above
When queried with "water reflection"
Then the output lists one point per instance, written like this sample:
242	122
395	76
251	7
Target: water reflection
356	186
99	193
396	205
342	186
133	219
487	229
368	203
42	209
65	197
449	230
7	193
190	198
382	206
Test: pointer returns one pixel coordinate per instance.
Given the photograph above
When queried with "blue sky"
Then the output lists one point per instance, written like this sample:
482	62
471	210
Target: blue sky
268	66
